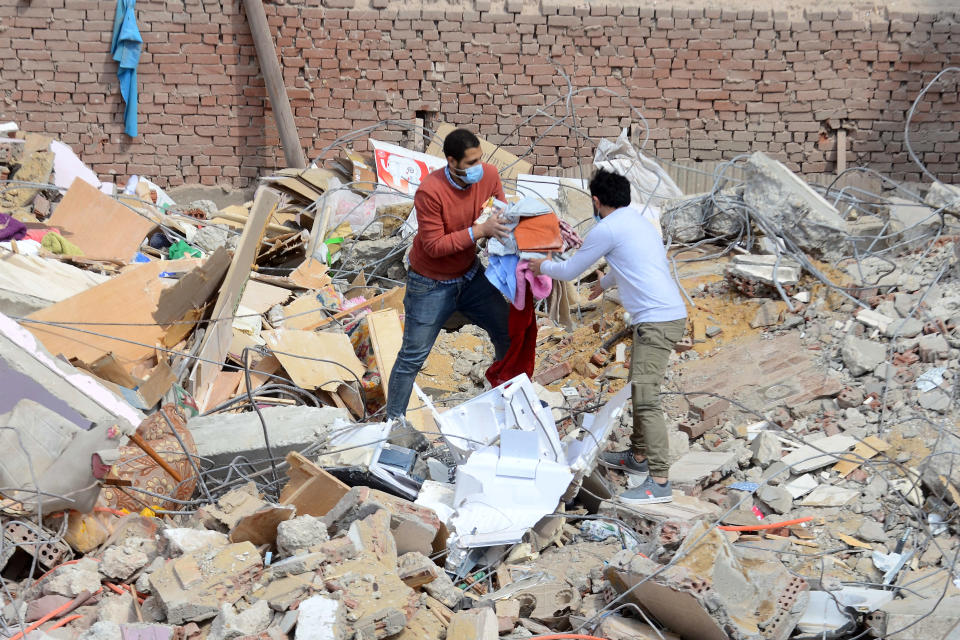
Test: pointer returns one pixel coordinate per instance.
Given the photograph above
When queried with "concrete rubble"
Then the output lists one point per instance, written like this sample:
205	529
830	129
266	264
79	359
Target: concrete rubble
207	457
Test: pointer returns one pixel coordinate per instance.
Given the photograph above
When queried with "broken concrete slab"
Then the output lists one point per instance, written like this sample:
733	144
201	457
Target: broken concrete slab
193	587
862	356
714	591
829	496
944	196
695	470
224	436
413	526
818	453
760	268
792	207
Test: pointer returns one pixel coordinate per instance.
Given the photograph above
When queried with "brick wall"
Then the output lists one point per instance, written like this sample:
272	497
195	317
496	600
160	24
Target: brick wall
712	83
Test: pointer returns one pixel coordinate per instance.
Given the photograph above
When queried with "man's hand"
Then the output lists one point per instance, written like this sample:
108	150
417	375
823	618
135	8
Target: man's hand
492	227
596	289
535	265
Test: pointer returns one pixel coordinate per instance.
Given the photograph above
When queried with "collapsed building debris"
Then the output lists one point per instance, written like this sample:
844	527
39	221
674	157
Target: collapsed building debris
197	443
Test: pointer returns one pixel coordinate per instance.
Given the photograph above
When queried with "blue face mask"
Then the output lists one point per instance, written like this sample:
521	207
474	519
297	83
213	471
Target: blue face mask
596	214
472	175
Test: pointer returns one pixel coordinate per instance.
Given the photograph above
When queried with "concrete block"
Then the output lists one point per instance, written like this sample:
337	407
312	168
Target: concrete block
300	533
193	587
223	437
698	468
230	623
474	624
413	526
416	569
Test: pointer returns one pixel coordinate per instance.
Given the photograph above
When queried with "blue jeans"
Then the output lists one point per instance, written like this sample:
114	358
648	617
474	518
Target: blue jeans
428	304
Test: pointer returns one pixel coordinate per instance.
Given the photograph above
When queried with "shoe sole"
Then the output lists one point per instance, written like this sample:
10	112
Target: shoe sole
642	501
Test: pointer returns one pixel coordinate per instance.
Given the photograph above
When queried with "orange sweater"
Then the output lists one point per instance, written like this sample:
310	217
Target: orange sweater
442	248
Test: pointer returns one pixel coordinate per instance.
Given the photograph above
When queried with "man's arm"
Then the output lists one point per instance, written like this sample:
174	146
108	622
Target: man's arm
437	243
597	244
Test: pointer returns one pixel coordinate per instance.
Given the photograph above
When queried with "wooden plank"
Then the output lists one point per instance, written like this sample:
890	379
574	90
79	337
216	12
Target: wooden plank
290	344
128	299
310	489
100	225
386	336
261	297
260	527
273	77
216	342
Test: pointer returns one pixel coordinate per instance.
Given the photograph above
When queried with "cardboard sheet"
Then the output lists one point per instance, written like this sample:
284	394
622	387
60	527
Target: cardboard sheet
103	228
289	344
130	298
261	297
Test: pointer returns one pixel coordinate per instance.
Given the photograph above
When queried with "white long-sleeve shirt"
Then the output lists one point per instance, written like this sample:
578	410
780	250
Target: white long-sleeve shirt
638	266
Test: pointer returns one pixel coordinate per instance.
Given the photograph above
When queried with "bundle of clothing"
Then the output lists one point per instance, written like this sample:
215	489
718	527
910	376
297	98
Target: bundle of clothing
535	231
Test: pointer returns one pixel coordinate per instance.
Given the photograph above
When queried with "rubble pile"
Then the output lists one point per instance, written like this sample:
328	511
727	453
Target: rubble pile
195	444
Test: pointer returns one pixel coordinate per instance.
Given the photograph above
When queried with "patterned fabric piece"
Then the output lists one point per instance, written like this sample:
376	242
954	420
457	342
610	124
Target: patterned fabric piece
140	469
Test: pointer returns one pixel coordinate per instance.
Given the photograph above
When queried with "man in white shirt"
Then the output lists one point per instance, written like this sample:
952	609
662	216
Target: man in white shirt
638	268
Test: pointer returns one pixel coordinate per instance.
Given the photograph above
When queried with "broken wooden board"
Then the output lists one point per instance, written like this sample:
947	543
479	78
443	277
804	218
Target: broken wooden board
311	274
870	447
260	527
310	489
216	342
193	290
299	351
102	227
129	300
261	297
386	337
306	313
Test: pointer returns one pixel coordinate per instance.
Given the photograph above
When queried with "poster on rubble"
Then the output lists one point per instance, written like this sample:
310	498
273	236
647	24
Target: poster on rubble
402	169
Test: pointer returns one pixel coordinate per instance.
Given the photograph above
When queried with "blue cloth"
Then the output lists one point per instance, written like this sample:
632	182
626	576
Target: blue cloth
125	48
428	305
502	273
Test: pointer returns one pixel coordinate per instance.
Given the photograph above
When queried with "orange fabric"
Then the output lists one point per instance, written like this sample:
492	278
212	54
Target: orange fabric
539	233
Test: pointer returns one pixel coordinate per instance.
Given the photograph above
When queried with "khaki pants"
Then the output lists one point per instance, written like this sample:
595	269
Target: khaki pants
652	344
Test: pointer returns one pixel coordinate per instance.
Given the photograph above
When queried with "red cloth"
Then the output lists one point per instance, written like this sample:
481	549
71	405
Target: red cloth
442	248
520	357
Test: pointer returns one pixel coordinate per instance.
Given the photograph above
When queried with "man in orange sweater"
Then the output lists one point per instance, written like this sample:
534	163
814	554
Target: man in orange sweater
445	274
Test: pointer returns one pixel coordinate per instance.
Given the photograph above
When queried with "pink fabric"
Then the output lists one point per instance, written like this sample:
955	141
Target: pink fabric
37	234
539	285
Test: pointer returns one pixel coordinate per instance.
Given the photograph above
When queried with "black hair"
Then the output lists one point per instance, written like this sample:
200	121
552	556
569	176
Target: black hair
457	142
611	189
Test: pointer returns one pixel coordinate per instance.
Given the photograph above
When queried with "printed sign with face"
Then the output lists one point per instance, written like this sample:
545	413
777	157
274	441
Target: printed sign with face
401	168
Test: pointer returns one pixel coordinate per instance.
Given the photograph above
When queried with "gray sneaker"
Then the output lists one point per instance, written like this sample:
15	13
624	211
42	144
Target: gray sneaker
624	461
648	493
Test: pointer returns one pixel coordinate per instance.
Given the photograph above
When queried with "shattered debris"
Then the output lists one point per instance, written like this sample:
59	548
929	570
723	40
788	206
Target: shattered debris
195	441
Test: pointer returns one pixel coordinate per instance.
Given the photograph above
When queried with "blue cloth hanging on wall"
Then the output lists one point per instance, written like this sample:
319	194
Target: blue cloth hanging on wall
125	47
